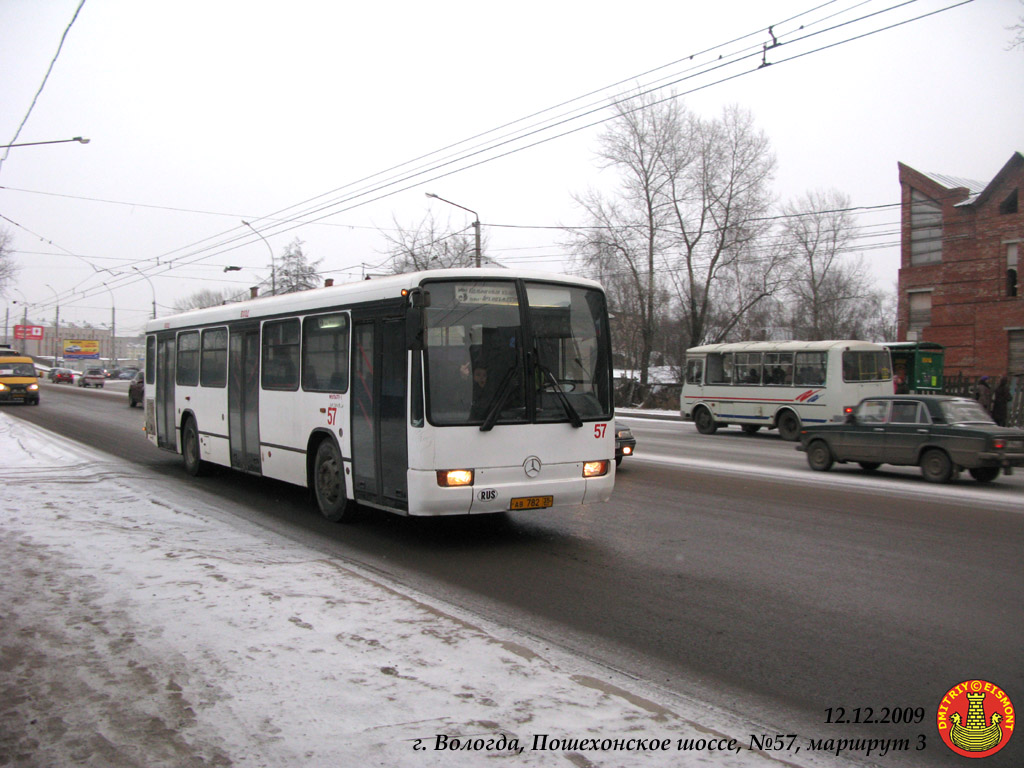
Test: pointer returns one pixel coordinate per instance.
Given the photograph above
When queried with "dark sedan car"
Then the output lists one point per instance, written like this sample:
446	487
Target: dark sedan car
625	443
940	434
137	389
57	375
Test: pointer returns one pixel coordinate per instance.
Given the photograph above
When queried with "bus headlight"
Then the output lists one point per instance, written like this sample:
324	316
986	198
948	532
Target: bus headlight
33	387
453	478
595	468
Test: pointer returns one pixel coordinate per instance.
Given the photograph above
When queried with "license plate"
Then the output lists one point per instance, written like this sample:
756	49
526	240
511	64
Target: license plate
531	502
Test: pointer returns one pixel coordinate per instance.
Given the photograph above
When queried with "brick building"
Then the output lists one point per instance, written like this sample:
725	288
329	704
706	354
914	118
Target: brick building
961	246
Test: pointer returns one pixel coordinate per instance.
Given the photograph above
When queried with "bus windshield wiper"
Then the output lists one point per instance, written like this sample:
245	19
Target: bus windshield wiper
504	390
574	417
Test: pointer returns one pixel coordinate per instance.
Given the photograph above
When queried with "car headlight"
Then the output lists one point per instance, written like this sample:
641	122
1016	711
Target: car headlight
623	433
3	387
33	387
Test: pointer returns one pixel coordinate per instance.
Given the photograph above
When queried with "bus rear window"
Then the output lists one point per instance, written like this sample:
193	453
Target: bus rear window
866	366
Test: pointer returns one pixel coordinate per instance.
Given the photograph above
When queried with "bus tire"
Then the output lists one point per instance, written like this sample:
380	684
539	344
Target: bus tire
705	422
936	466
329	483
788	424
190	451
819	456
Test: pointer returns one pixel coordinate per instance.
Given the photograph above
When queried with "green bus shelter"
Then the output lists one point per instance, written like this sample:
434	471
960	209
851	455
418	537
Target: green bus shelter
922	362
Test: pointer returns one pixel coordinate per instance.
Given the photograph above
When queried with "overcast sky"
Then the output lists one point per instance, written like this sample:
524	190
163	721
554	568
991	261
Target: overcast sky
201	114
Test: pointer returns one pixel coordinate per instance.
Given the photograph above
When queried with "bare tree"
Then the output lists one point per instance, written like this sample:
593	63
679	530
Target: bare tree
8	266
720	195
1018	34
622	242
294	271
428	245
204	298
832	294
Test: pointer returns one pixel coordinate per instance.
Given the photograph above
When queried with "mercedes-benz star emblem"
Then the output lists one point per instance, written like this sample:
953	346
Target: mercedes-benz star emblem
531	466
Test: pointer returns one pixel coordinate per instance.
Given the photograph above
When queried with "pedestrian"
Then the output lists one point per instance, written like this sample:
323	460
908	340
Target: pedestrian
1001	401
985	393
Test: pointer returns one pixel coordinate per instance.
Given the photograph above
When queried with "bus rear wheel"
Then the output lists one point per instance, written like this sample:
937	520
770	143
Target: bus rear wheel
190	448
329	483
705	421
789	426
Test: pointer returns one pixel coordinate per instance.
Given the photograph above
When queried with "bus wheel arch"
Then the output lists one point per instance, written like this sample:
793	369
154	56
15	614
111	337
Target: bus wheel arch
788	424
327	479
191	453
704	420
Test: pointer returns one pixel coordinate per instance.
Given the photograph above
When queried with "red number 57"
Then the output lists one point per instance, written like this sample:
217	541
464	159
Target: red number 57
599	430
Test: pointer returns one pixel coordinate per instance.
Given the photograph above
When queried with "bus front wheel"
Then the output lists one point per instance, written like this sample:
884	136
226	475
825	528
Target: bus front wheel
705	421
329	483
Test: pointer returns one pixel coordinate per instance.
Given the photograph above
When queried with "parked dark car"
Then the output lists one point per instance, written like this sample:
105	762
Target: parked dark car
625	443
137	389
93	377
941	434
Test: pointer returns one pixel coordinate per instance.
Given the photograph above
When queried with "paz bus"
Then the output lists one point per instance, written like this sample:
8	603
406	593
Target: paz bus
780	385
456	391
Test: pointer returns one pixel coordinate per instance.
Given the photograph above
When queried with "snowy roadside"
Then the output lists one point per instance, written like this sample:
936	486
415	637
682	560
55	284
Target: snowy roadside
142	624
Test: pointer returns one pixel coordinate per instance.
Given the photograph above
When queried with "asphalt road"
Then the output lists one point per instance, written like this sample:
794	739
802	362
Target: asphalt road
723	569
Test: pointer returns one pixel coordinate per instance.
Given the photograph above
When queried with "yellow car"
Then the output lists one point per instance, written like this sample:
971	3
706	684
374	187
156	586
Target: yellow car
18	382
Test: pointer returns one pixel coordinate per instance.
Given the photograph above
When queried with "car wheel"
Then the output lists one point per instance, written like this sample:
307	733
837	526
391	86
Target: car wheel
869	466
936	466
329	483
819	457
789	426
705	421
190	449
751	429
131	402
618	460
984	474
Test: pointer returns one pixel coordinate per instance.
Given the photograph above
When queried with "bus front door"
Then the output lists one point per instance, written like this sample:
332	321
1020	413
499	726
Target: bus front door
166	424
244	398
379	450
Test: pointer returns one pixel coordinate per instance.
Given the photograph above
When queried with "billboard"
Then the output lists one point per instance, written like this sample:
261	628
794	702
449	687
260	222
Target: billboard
30	332
81	349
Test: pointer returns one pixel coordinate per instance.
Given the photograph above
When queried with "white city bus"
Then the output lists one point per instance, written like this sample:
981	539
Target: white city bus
458	391
780	385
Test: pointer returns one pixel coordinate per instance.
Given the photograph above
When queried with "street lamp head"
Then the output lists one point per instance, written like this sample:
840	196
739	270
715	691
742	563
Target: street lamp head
431	194
232	269
80	140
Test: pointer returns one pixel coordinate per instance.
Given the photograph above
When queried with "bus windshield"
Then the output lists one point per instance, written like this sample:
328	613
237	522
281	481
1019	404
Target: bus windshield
490	359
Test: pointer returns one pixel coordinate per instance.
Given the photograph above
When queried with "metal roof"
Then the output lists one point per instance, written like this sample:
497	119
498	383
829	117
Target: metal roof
974	188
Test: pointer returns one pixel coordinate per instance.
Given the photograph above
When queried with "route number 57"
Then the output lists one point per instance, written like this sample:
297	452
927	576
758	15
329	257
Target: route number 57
599	430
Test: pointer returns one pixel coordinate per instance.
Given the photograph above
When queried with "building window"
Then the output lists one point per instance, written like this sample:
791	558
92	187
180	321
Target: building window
920	310
1016	344
925	230
1009	205
1012	250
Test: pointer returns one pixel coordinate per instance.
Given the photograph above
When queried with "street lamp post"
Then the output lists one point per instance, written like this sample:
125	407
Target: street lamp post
113	329
476	223
56	323
151	288
273	267
79	139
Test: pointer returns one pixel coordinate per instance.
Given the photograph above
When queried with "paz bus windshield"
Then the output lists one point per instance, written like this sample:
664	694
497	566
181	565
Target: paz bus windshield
515	352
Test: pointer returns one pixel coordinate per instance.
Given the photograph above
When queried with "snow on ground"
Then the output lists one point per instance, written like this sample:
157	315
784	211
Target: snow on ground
143	624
